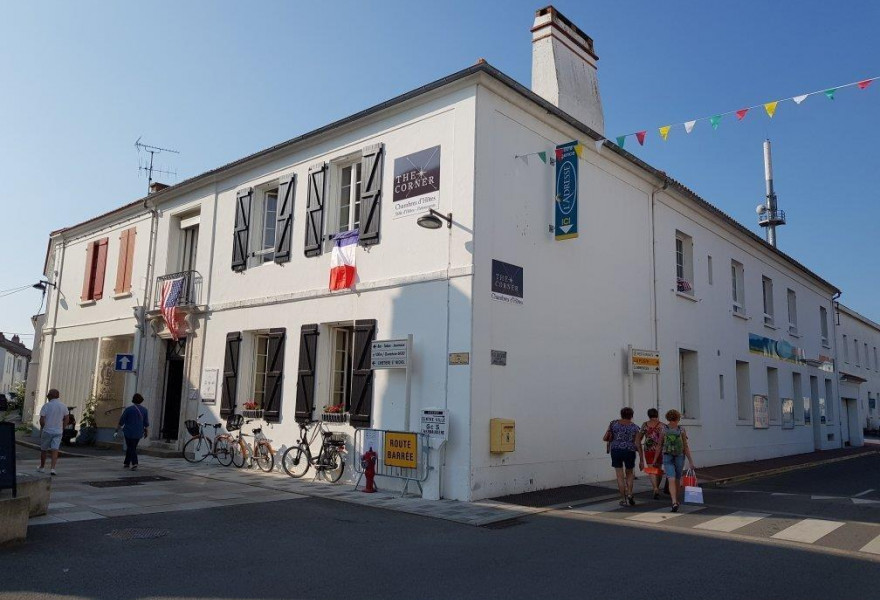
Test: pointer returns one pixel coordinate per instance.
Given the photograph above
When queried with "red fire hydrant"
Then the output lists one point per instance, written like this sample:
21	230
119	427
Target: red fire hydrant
368	462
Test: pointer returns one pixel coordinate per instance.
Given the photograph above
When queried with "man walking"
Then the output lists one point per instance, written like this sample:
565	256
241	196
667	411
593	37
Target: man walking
53	418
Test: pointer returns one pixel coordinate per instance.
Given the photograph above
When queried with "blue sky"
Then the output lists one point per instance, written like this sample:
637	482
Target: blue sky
220	80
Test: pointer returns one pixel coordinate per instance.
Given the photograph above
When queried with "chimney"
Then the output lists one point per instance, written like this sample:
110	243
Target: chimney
16	339
157	187
564	70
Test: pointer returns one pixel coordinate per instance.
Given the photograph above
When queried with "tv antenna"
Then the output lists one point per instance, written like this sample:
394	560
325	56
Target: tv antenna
149	169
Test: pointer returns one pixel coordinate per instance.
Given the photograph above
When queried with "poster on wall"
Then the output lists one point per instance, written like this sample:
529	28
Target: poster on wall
822	410
807	410
416	183
208	390
566	226
788	413
507	282
762	411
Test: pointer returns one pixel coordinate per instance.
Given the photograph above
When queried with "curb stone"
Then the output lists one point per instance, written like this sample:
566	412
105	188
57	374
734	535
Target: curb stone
779	470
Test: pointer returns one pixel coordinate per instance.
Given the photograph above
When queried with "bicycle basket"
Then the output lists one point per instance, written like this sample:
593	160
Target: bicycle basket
234	422
336	439
192	426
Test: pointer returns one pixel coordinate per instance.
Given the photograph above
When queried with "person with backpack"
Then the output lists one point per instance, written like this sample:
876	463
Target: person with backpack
650	438
135	424
675	450
621	439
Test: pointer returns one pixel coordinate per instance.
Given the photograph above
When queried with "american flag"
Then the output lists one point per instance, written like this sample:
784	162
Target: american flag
171	291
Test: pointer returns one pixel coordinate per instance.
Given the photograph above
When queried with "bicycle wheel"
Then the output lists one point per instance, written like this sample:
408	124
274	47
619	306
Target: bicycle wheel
223	451
197	449
295	461
238	456
334	465
263	456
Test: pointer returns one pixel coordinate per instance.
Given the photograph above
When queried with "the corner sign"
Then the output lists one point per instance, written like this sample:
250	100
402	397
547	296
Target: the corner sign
124	362
389	354
416	183
566	199
507	282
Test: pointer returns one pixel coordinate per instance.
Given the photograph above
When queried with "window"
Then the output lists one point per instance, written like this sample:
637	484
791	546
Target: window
260	368
738	287
709	268
845	349
347	212
96	264
189	242
829	403
721	386
867	362
797	391
823	324
876	364
684	263
341	374
856	350
125	262
744	406
773	394
689	383
767	287
792	312
264	222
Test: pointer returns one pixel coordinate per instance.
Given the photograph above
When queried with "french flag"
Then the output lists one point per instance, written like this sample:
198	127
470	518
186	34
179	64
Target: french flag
342	269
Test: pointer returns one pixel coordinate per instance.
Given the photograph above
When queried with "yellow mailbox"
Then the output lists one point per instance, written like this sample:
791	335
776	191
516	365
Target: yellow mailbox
502	435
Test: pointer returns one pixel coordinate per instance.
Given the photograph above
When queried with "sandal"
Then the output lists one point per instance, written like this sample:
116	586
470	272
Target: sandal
622	502
675	507
631	500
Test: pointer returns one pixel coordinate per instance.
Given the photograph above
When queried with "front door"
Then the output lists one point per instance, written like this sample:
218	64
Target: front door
174	361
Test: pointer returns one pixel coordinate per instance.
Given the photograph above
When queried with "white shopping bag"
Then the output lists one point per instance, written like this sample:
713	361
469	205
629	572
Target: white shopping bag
693	494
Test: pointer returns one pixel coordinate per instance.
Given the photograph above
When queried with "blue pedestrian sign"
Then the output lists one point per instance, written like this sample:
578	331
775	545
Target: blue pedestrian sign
566	226
124	362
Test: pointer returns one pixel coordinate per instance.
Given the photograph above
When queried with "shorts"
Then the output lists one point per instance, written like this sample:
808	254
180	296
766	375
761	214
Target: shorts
673	465
49	441
619	458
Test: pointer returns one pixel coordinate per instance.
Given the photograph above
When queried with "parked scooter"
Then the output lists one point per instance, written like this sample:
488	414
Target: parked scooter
69	431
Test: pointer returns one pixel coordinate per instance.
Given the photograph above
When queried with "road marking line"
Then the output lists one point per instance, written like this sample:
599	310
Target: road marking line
732	521
781	494
598	509
865	493
664	514
807	531
864	501
872	547
824	497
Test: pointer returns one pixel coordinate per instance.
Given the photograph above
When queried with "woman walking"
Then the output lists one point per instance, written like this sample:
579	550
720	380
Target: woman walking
621	436
650	438
135	424
675	450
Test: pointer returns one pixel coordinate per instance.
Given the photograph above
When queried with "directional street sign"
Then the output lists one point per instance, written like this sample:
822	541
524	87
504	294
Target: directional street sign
124	362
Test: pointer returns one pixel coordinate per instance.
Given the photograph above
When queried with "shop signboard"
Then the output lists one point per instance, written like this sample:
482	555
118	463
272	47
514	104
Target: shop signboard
644	361
770	348
416	183
762	411
401	449
566	212
787	413
389	354
807	412
507	282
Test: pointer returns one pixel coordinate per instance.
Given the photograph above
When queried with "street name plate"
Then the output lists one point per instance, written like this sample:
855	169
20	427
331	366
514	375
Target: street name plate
389	354
645	361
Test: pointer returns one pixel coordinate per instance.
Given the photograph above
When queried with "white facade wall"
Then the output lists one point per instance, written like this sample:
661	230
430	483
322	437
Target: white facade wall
860	379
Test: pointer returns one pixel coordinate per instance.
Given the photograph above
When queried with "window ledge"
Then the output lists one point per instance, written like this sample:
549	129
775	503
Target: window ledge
122	295
87	302
742	316
687	296
771	326
826	345
741	423
794	334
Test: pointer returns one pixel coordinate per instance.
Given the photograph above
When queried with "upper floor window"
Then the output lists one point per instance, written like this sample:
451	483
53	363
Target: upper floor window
856	349
792	312
267	212
876	364
263	223
96	265
845	349
348	198
823	324
767	288
737	277
709	269
684	263
867	362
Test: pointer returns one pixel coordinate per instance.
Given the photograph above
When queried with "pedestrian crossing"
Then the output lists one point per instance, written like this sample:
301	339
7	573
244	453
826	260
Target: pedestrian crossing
848	536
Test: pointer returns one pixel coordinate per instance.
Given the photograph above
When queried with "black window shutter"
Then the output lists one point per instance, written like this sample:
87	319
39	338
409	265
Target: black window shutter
274	376
284	227
371	194
362	375
230	373
242	229
315	210
305	377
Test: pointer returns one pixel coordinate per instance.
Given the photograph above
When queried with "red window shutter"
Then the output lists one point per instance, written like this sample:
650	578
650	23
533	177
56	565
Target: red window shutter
88	277
120	263
100	268
129	259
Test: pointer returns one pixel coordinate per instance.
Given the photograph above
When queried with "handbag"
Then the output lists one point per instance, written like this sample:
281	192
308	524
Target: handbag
608	437
693	494
689	479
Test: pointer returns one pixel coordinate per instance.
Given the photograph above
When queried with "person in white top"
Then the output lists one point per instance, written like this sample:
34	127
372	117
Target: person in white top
53	418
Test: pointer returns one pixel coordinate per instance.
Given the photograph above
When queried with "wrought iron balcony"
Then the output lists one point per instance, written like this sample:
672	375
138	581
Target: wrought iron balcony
189	292
771	217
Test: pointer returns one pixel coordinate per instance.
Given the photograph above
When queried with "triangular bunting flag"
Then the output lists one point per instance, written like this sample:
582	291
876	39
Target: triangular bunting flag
640	135
740	114
770	107
830	93
799	99
559	154
689	126
715	121
863	84
664	131
620	140
543	157
599	144
579	150
525	158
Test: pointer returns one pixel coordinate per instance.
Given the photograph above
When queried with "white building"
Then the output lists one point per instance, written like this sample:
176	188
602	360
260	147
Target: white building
14	358
858	338
731	317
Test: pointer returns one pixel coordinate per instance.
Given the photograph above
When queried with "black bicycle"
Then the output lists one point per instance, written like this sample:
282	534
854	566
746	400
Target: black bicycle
330	459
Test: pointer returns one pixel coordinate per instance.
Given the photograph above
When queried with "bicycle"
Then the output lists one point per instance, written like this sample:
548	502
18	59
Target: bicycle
329	461
262	452
201	446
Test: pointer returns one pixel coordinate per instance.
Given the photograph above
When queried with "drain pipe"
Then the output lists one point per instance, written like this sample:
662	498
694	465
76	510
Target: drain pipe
654	193
835	321
148	291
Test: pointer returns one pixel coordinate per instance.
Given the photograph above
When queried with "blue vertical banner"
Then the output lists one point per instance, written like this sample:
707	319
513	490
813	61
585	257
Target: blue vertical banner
566	199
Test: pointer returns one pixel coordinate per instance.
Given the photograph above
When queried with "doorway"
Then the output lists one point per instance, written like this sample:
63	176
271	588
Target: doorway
175	355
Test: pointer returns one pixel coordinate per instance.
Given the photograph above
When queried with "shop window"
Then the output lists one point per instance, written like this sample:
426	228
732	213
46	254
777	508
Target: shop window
689	384
797	391
823	325
773	394
767	289
684	263
737	282
792	312
744	407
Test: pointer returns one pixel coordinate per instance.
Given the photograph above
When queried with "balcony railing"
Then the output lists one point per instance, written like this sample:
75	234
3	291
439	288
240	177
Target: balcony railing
190	288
